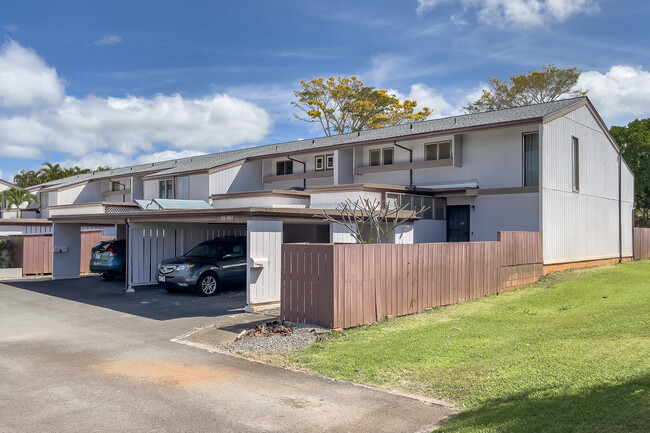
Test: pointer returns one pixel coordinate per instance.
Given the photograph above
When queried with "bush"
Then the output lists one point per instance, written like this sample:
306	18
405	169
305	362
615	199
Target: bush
5	254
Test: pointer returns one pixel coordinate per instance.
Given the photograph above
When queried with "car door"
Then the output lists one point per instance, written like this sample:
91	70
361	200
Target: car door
233	263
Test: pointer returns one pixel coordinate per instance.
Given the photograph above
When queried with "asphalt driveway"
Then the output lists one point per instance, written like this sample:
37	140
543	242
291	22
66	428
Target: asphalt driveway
80	356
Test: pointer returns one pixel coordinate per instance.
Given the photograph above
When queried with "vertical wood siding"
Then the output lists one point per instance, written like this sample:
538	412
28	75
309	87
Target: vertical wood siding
347	285
641	243
37	255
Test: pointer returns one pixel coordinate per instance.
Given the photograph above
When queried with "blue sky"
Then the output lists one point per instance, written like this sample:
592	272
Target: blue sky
124	82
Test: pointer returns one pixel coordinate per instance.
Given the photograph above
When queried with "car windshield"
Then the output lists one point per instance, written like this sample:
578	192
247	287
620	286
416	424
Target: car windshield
205	250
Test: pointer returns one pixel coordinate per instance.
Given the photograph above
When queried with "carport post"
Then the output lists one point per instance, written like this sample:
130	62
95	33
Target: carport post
129	257
66	247
264	264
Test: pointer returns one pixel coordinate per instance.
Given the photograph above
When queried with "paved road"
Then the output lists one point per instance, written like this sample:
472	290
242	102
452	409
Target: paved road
81	356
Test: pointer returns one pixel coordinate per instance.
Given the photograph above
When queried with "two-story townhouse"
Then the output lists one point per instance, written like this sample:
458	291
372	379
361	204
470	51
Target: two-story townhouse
551	167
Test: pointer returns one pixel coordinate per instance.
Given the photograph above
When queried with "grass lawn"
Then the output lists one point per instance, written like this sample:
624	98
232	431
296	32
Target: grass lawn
568	354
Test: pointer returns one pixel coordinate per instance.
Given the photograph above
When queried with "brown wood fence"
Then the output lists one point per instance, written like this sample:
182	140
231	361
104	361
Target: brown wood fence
345	285
34	253
641	243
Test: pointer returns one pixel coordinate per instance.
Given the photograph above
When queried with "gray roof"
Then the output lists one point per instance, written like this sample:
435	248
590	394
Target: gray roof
205	162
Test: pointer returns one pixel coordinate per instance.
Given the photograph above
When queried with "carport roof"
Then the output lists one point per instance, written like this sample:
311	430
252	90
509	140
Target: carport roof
212	216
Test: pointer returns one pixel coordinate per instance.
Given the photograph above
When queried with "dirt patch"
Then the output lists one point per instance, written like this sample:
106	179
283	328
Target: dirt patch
162	372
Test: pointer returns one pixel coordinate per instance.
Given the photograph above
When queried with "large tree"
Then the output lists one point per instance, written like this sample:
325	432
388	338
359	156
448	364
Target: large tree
346	104
634	140
17	197
50	172
534	87
25	179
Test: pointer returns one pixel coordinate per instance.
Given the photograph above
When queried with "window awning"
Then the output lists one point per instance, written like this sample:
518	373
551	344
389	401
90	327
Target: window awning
172	204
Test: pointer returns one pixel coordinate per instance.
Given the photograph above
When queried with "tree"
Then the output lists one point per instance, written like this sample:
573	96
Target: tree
16	197
50	172
534	87
25	179
634	140
346	104
369	221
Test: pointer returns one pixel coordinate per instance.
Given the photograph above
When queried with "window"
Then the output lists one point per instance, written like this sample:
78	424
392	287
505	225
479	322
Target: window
116	186
284	167
233	251
381	156
319	163
165	189
531	159
575	145
433	208
388	155
183	188
330	162
375	157
436	151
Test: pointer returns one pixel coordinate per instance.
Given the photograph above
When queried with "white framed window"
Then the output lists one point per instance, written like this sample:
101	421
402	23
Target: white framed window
165	188
383	156
437	151
284	167
575	152
531	159
433	208
182	188
116	186
319	163
329	159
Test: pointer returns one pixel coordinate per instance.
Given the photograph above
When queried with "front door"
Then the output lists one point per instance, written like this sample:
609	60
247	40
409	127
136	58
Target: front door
458	223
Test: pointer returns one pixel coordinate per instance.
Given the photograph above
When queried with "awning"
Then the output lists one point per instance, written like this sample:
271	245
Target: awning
172	204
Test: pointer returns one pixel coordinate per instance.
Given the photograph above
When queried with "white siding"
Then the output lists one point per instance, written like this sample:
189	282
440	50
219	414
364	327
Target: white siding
199	187
263	201
582	225
88	193
150	189
428	231
494	213
341	235
330	199
245	177
493	157
264	241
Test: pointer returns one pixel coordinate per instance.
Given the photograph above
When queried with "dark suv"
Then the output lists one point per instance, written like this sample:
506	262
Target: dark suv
108	258
206	267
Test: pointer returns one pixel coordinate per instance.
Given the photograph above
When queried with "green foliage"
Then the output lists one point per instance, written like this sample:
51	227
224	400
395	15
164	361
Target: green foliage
634	140
5	254
15	197
567	354
50	172
346	104
534	87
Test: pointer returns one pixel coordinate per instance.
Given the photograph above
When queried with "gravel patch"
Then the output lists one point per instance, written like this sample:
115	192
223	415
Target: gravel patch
303	336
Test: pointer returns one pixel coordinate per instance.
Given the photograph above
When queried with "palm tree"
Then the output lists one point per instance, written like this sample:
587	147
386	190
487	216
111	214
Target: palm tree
26	179
16	197
51	172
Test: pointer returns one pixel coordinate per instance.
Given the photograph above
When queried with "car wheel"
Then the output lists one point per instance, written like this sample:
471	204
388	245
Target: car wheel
208	284
108	276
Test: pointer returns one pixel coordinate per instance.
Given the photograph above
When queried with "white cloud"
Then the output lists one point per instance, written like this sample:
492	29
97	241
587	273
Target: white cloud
621	91
26	80
109	40
126	126
518	12
428	97
10	27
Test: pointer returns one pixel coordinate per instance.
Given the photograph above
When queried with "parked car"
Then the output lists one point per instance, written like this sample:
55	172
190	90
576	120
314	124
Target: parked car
108	258
206	267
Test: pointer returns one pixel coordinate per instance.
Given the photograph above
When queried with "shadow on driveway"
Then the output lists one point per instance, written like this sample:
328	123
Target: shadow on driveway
152	302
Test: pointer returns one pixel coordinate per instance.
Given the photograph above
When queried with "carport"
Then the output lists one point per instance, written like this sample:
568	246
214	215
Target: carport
153	236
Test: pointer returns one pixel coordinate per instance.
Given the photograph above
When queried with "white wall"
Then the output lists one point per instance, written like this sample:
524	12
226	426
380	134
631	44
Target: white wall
245	177
88	193
341	235
300	202
492	156
582	225
150	189
199	186
264	241
67	264
494	213
331	199
429	231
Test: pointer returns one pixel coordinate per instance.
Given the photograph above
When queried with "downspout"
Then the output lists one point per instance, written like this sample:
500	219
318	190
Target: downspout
410	151
620	215
123	188
304	170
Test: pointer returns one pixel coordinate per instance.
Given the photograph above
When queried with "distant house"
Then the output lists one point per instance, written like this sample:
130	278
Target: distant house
550	167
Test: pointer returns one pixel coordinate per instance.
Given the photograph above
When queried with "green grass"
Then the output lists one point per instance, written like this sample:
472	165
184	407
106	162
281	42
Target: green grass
568	354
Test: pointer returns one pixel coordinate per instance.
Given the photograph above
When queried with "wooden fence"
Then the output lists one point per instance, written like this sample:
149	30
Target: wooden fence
345	285
641	243
34	253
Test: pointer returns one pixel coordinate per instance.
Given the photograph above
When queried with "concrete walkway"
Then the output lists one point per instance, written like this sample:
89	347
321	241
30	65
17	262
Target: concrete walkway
81	356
